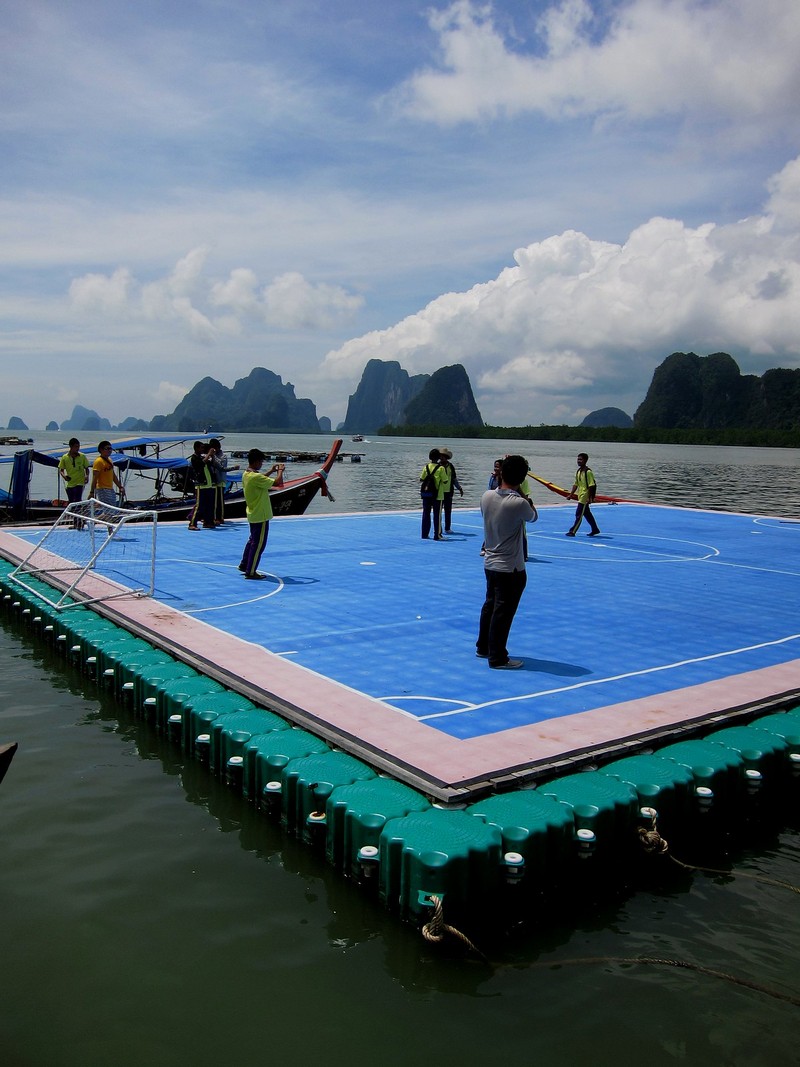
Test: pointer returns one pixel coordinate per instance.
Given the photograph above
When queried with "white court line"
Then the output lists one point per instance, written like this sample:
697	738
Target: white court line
230	603
773	523
603	681
540	536
752	567
656	556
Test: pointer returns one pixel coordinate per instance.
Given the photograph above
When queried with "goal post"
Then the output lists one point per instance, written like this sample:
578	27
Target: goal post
93	552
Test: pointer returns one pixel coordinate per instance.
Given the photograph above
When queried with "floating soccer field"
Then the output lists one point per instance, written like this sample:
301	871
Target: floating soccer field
672	620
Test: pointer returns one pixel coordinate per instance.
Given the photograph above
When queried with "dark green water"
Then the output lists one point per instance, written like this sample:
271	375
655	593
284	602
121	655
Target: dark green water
149	917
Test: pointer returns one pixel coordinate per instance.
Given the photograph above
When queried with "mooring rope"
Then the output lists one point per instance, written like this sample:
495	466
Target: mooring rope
747	983
652	842
435	930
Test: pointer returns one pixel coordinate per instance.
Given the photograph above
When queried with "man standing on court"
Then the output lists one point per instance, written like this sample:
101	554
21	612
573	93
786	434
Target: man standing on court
505	512
219	475
431	491
204	488
259	509
74	469
583	491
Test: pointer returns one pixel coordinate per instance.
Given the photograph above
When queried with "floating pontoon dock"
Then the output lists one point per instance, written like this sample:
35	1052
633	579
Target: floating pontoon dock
663	658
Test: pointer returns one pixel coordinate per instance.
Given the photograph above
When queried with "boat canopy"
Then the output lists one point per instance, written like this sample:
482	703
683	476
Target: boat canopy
119	459
143	446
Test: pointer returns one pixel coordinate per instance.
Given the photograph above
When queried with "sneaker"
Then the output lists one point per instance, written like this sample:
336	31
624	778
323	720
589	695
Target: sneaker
509	665
594	533
256	576
191	527
481	655
569	533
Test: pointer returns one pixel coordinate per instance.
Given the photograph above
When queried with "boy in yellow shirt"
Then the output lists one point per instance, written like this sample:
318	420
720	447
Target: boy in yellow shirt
583	491
259	509
73	467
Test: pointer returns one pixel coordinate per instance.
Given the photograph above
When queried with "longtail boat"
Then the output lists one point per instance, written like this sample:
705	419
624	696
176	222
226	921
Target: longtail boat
6	755
154	480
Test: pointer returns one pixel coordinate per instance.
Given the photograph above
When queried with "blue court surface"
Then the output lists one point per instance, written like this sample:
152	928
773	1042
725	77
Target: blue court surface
671	617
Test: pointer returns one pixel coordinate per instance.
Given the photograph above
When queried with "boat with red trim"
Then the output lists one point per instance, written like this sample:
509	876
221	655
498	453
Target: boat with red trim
157	479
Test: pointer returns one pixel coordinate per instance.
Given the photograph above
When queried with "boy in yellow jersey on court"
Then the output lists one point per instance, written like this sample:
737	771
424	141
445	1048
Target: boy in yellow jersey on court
256	488
583	490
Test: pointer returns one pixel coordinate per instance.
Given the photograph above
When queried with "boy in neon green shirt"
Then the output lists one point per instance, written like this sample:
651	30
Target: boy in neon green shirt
432	483
259	510
583	490
73	467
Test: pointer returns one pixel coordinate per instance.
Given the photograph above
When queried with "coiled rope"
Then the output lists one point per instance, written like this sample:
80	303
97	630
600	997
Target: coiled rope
435	930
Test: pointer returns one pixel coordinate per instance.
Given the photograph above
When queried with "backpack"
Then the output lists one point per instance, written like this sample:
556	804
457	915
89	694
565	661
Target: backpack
428	486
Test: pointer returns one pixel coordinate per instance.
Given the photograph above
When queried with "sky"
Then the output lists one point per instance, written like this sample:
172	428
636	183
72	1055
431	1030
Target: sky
556	195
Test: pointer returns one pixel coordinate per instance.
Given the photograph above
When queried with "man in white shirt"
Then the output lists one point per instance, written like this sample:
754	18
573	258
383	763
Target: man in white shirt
505	512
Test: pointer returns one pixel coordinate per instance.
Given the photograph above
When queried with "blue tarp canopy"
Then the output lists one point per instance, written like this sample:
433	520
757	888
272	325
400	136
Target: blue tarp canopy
119	459
51	456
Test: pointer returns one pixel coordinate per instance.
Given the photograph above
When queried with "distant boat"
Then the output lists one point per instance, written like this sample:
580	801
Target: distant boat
357	437
144	458
16	440
6	755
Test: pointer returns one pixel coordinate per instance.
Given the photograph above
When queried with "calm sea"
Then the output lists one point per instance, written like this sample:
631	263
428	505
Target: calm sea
149	917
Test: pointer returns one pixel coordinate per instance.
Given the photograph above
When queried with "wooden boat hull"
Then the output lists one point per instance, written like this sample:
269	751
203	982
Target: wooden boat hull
291	498
6	755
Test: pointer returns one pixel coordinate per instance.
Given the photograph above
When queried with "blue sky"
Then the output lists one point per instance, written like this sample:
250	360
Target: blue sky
556	195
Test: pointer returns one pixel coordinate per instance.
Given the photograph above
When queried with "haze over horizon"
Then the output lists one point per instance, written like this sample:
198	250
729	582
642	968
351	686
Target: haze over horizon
556	195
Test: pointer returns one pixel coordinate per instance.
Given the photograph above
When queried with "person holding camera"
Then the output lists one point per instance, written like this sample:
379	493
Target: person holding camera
259	510
505	511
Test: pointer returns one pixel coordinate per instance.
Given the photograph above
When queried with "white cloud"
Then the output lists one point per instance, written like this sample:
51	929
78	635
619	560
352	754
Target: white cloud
108	294
784	201
577	316
237	293
291	302
730	58
167	395
187	297
272	210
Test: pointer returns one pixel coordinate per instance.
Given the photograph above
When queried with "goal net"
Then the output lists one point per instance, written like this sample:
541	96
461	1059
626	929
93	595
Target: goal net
93	552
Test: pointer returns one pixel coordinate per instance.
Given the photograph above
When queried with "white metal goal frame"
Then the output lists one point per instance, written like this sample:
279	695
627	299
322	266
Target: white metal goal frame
88	540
